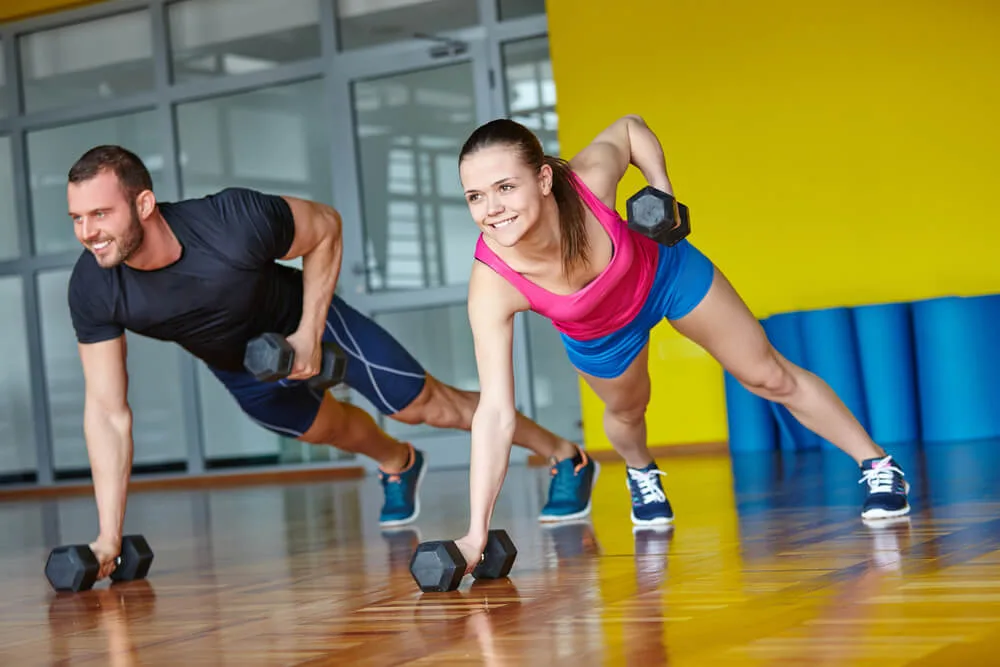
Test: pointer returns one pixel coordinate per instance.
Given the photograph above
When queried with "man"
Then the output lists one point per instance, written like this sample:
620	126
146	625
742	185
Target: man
203	273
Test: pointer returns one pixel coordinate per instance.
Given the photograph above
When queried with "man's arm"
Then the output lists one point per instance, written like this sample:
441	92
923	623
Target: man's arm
626	141
319	242
107	427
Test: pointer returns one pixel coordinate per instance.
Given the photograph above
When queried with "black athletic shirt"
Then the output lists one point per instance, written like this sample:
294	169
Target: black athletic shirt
225	289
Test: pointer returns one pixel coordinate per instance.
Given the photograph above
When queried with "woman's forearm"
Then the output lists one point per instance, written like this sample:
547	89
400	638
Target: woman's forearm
492	436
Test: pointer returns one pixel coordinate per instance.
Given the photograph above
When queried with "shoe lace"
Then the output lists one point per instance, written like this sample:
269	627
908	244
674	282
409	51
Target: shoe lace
649	490
881	476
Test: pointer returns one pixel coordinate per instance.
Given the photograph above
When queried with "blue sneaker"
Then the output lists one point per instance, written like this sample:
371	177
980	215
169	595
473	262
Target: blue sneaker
650	506
886	489
570	488
402	502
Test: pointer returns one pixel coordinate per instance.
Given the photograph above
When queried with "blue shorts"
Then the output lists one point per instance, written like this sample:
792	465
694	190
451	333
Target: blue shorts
683	277
378	367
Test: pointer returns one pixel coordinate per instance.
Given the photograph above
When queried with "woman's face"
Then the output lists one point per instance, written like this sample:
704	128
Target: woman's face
503	193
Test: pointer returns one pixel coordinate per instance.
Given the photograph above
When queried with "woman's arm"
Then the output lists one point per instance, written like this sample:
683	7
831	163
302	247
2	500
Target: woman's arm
628	140
493	303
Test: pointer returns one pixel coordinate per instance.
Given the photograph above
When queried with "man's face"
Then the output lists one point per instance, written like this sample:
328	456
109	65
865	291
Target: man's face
105	222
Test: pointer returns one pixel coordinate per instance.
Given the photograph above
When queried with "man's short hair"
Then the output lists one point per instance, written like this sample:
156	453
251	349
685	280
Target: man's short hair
126	165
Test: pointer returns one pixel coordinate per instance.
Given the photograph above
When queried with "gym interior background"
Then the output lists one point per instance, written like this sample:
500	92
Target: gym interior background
791	150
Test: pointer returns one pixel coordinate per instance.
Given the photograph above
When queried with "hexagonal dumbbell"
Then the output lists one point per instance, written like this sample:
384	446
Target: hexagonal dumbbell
269	357
438	566
74	567
656	214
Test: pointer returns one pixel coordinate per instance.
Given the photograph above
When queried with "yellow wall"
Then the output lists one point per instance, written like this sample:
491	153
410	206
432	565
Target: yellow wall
12	10
832	153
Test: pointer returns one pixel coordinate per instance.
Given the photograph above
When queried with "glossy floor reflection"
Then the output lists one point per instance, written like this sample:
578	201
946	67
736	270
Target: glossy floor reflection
768	564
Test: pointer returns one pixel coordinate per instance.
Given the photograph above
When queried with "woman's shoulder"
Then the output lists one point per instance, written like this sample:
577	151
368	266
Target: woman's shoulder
594	173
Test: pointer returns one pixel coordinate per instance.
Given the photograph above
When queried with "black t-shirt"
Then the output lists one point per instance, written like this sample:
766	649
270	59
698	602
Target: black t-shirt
225	289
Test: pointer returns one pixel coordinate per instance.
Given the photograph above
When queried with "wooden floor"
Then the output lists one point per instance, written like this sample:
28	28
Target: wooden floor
769	564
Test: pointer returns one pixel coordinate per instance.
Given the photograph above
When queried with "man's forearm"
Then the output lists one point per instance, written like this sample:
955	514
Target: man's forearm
320	271
110	449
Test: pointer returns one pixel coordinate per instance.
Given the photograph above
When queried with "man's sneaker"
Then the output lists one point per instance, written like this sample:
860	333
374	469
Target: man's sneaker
886	489
402	502
572	481
650	506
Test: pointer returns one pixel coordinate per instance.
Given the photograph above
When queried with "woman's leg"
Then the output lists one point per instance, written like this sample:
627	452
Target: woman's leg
625	399
725	327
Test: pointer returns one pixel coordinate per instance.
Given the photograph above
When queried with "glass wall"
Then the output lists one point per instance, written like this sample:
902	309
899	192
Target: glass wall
10	238
87	62
409	128
225	37
363	23
4	99
252	93
17	428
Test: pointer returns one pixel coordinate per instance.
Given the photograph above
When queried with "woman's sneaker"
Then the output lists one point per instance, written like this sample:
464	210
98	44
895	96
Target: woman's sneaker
887	489
650	506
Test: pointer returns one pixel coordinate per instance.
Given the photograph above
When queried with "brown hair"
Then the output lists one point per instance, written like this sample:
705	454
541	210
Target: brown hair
126	165
572	213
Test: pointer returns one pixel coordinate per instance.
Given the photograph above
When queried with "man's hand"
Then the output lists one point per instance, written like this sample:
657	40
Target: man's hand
472	550
107	551
308	355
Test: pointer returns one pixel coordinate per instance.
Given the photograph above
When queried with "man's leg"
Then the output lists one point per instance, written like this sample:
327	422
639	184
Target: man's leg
382	370
294	410
444	406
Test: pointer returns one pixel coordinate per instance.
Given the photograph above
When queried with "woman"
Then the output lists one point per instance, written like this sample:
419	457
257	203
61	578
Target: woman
553	243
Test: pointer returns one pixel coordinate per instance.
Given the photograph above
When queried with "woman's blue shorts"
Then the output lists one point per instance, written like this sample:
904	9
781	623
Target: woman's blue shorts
683	277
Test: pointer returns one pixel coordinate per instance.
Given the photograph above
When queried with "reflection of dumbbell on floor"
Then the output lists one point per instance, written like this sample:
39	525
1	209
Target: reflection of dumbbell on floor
74	568
656	214
269	357
439	566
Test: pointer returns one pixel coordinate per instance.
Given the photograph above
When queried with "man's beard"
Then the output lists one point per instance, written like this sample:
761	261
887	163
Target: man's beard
126	244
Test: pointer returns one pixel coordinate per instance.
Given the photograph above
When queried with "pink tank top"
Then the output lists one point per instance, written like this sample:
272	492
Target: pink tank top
608	302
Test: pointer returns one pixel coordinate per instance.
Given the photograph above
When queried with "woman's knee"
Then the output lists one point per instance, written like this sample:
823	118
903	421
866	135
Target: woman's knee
772	377
628	409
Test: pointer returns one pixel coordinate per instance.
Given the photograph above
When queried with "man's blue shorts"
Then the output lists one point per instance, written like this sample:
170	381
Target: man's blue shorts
378	367
683	278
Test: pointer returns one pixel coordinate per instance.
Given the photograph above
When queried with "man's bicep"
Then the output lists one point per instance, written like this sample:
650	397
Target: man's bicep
105	373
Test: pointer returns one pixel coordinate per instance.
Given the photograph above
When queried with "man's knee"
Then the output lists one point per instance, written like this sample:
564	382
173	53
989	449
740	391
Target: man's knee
329	425
441	406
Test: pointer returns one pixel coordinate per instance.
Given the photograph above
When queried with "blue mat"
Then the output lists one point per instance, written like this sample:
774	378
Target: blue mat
751	422
885	358
954	341
785	333
832	354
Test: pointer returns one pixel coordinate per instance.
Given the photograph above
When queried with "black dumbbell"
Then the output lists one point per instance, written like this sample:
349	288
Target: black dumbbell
439	566
74	567
656	214
269	357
